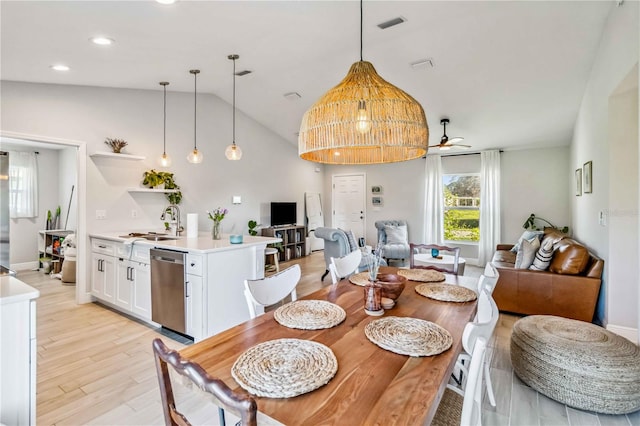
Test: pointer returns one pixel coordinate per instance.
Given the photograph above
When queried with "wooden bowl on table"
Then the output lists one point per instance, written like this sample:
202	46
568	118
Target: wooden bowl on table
392	285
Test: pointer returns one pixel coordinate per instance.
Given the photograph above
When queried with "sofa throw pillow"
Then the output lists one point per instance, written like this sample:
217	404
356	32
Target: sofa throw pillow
529	236
396	234
543	256
526	253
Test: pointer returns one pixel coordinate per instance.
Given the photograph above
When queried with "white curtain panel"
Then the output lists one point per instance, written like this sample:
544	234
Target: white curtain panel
433	201
489	205
23	185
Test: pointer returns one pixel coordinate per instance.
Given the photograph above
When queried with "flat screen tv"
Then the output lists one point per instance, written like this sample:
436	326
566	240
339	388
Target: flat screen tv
283	213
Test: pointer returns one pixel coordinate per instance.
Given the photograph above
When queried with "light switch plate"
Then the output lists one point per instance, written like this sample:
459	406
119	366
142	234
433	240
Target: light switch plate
101	214
236	199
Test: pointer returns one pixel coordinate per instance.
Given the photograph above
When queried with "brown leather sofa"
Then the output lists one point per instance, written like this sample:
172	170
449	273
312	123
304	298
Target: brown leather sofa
569	288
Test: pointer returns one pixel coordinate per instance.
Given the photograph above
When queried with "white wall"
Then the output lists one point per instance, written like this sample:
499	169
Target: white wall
23	232
617	55
535	181
68	175
270	169
622	292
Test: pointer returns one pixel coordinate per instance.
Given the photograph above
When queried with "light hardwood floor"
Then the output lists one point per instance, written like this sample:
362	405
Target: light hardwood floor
96	366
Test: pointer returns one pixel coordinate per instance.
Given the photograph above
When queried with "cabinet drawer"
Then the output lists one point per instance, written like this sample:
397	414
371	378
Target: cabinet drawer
194	264
103	246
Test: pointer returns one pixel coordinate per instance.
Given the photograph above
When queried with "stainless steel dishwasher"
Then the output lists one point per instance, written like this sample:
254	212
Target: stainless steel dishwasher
168	289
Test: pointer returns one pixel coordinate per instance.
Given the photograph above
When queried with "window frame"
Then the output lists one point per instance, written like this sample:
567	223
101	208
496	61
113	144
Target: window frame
445	209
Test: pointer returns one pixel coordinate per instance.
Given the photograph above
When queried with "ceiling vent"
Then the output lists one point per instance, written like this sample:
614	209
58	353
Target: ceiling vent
391	22
423	63
243	72
292	96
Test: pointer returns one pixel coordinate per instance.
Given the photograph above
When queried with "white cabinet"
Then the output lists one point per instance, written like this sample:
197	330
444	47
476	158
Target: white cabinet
103	277
194	297
17	352
120	276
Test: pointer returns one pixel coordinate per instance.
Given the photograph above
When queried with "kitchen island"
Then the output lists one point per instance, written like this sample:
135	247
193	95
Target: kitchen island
214	274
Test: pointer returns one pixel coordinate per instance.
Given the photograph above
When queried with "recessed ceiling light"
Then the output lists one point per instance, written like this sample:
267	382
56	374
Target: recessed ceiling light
59	67
391	22
102	41
166	1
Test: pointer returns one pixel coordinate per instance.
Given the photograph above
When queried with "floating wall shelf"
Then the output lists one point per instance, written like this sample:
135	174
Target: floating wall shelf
163	191
127	157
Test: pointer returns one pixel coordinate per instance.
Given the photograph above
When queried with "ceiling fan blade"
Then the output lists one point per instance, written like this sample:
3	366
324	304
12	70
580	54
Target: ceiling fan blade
461	146
455	140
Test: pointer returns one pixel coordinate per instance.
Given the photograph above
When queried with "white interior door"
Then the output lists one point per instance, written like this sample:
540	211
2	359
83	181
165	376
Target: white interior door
348	202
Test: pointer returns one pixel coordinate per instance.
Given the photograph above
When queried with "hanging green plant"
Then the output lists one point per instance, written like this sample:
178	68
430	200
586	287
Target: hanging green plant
155	179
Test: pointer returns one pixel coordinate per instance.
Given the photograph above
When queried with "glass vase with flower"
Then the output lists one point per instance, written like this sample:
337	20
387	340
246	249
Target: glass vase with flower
373	290
216	216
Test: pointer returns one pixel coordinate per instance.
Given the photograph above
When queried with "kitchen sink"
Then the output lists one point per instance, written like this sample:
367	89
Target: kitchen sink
151	236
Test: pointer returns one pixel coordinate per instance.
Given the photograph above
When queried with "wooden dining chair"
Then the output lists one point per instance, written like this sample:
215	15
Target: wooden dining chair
464	406
239	403
342	267
483	326
271	290
426	248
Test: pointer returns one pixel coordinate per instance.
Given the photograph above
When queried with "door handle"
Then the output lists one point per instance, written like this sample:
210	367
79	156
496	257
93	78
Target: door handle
361	217
186	289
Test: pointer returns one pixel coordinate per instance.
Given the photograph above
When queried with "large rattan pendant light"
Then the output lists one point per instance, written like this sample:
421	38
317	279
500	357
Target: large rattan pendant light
233	151
165	160
363	120
195	156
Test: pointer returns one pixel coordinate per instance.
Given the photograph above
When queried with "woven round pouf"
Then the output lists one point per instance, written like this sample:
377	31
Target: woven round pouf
577	363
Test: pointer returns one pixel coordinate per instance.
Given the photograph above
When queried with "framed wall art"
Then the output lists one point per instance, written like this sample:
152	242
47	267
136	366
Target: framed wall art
376	189
578	182
587	175
376	201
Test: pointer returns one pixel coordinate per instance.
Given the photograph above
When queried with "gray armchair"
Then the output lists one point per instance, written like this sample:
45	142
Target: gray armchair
336	244
393	248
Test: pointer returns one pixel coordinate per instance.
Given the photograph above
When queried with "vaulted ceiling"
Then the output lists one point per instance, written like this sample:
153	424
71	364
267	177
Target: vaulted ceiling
507	73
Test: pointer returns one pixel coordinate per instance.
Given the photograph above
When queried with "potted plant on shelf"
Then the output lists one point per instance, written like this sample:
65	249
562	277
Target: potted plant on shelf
163	180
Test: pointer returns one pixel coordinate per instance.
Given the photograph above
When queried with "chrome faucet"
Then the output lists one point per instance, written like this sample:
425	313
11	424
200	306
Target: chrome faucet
174	212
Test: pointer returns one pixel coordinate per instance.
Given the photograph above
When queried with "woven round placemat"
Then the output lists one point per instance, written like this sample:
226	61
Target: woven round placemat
284	368
361	278
422	275
577	363
446	292
408	336
310	314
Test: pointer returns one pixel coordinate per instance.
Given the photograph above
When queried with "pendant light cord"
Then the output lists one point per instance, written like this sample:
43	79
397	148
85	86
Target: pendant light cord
234	102
164	124
195	103
361	20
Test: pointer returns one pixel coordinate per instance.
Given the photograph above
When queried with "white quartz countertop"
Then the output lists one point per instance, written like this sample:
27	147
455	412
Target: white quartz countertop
12	290
203	244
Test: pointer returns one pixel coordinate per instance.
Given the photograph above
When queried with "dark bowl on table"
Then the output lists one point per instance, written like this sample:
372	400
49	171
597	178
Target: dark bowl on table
392	285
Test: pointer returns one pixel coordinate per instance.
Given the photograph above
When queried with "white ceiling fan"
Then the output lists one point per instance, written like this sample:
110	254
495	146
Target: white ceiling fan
446	142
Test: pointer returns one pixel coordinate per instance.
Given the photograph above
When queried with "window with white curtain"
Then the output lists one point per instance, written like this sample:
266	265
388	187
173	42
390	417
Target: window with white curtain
23	185
461	207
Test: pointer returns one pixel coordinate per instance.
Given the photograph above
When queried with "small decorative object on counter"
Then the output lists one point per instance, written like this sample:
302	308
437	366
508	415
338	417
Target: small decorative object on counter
216	216
235	239
435	253
253	225
116	144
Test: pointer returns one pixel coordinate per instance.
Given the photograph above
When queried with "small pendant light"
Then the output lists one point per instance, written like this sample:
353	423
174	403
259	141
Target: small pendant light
195	156
165	160
233	151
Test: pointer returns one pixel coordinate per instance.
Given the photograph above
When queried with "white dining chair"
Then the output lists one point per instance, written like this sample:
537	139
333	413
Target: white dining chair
484	325
463	406
488	279
271	290
342	267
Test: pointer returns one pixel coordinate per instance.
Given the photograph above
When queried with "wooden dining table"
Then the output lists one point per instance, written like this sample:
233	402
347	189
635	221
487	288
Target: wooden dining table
372	386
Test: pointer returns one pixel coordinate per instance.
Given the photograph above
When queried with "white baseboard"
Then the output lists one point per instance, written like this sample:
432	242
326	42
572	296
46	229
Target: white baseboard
26	266
626	332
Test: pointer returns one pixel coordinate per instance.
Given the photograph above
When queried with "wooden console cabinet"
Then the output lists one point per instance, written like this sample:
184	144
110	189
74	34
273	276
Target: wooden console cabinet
293	240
